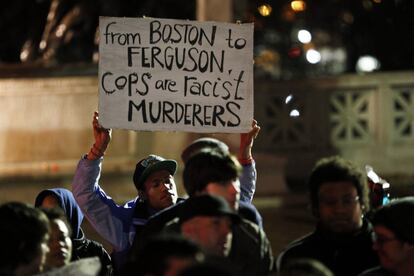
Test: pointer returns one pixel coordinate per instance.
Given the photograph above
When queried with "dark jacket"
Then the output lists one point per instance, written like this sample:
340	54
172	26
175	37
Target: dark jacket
345	255
85	248
82	247
250	252
143	214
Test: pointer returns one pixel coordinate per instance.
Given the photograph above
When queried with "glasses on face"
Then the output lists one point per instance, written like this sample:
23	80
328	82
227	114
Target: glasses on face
346	201
381	240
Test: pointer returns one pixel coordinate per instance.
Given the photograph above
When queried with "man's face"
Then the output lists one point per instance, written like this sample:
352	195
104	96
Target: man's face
209	232
160	190
229	190
392	252
60	245
339	209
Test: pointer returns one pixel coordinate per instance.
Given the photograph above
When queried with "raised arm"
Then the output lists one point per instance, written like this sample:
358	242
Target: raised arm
248	177
246	142
102	138
102	212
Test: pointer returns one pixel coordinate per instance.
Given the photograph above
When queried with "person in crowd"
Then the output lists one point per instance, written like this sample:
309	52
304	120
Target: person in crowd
217	173
59	260
394	238
248	177
81	246
24	235
305	267
207	220
60	243
166	254
342	238
245	157
153	179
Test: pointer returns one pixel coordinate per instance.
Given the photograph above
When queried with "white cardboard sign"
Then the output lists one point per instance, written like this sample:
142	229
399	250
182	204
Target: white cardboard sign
175	75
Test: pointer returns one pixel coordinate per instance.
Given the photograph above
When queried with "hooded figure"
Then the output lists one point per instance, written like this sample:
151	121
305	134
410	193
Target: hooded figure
82	247
67	203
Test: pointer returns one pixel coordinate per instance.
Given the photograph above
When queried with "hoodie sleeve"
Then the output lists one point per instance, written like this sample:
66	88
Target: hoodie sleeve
248	182
110	220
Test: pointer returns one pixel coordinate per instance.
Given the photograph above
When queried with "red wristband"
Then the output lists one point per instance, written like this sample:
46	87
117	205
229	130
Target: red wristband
246	161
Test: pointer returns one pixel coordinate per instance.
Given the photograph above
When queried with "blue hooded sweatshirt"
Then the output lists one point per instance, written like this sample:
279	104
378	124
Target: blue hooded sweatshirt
69	206
82	247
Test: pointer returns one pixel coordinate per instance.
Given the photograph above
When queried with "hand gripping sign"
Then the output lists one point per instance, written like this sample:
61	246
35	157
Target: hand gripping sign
175	75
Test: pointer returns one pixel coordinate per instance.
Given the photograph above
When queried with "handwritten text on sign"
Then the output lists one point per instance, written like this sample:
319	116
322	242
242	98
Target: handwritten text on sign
162	74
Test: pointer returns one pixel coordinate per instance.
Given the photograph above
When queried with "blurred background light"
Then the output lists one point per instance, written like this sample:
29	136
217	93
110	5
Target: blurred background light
367	64
298	5
304	36
265	9
313	56
294	113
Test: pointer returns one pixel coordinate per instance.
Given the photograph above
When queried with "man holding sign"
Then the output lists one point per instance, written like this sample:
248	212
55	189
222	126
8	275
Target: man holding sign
162	74
153	178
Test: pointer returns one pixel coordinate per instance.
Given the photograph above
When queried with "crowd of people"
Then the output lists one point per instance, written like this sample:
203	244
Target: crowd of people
215	230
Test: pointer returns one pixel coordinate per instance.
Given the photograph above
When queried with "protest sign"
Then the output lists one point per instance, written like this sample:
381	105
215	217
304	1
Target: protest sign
178	75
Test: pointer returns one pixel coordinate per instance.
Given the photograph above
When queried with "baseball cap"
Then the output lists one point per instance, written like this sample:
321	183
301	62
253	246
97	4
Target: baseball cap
150	164
206	205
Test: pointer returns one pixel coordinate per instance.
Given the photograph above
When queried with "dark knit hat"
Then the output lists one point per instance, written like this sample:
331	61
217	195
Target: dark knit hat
206	205
151	164
397	216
